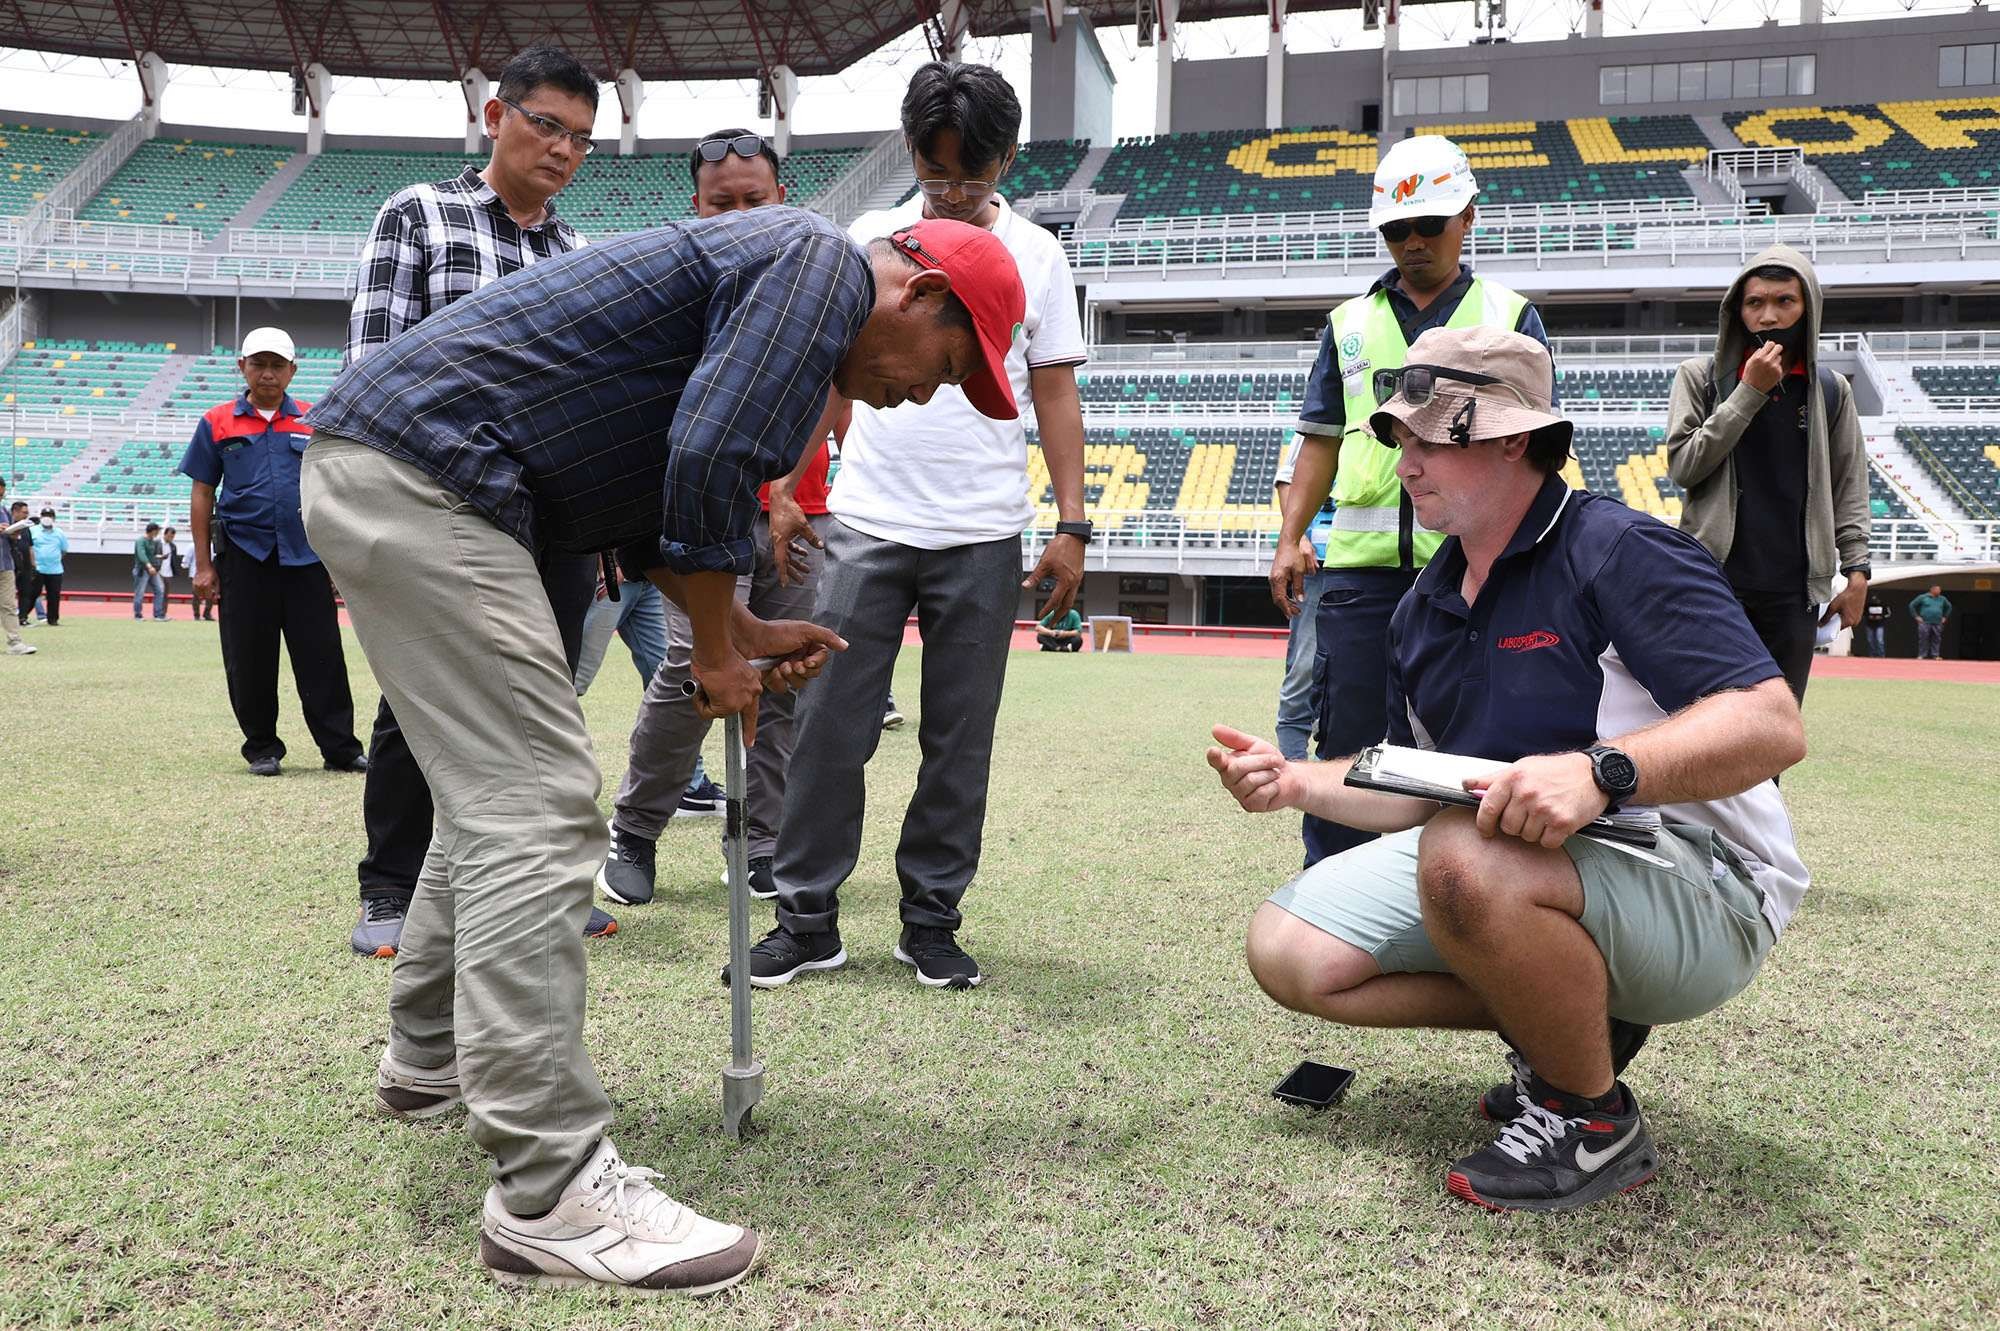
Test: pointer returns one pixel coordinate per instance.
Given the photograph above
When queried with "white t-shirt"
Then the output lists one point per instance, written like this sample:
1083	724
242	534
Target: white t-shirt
939	475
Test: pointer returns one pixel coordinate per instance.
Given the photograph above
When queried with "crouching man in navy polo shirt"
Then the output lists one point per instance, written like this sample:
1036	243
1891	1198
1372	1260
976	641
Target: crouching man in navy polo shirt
1602	654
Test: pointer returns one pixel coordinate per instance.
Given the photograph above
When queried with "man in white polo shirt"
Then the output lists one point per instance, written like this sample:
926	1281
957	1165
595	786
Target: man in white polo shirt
928	513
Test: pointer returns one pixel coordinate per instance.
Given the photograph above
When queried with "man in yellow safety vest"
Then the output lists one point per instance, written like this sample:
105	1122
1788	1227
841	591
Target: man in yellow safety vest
1423	206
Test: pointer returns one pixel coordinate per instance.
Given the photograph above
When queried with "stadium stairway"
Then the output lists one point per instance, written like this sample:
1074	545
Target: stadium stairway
1086	170
260	203
1913	483
150	398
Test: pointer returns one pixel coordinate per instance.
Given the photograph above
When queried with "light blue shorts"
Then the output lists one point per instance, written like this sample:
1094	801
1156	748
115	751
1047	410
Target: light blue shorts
1677	942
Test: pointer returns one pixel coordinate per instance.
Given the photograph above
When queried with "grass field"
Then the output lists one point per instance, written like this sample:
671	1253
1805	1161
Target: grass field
186	1048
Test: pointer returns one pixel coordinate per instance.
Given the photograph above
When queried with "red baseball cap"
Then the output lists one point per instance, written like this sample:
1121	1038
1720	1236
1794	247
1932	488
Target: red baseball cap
983	276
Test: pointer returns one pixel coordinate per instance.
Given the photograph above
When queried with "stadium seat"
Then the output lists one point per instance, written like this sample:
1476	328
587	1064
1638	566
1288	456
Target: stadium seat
73	378
1963	459
1938	143
1045	164
341	190
33	160
184	183
1325	170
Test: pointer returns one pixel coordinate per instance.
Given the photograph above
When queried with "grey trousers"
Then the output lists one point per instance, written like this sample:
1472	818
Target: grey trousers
667	736
964	599
457	627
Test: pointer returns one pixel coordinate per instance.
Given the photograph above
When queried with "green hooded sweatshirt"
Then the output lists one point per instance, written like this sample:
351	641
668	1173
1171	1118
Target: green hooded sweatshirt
1704	427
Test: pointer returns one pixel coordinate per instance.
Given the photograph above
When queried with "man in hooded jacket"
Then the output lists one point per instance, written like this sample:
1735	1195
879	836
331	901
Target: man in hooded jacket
1767	445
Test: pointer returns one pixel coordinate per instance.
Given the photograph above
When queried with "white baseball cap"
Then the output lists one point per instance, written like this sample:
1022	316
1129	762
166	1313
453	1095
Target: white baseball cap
1424	176
275	340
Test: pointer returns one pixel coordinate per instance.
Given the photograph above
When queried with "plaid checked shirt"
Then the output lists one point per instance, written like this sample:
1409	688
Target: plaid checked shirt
435	243
667	373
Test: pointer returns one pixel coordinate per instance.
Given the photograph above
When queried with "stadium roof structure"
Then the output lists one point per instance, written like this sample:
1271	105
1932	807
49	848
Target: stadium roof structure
441	39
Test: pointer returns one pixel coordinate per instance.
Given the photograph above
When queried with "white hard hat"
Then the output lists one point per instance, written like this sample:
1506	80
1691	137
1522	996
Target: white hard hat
1425	176
269	339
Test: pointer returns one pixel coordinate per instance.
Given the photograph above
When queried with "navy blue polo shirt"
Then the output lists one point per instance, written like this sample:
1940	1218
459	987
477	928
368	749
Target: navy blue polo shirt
1596	621
254	466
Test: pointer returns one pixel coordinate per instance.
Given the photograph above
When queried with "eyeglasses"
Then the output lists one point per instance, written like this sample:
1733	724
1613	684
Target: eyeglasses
743	145
967	189
552	129
1430	228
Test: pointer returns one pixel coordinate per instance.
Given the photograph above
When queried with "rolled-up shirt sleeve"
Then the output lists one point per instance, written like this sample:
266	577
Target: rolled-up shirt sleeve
774	339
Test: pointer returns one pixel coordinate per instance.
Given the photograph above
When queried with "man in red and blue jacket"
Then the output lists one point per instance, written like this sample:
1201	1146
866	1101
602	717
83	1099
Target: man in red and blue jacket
244	462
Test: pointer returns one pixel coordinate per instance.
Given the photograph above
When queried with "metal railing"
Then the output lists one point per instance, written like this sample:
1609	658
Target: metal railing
1164	250
843	200
302	244
1960	345
1078	201
65	231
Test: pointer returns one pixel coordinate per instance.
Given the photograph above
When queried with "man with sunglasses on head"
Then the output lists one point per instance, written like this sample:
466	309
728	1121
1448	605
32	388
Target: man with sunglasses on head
433	244
1423	206
928	515
732	170
1548	636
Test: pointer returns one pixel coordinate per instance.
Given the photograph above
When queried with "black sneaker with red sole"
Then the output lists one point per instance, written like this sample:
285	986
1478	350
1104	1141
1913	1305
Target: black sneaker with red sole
1558	1153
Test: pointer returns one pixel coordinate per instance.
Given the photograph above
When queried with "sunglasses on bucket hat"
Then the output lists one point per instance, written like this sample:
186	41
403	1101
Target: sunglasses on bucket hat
1418	385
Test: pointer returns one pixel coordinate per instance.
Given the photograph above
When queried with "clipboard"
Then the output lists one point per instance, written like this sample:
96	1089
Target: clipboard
1428	775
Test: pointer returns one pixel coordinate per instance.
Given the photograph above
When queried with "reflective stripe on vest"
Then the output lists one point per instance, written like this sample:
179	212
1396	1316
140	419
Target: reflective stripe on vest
1371	512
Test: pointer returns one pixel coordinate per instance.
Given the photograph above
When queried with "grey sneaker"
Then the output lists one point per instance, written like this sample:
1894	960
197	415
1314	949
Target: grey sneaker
19	649
626	876
379	932
612	1226
408	1091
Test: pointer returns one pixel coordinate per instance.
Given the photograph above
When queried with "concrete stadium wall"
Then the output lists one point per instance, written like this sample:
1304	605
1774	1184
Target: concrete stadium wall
194	325
1894	60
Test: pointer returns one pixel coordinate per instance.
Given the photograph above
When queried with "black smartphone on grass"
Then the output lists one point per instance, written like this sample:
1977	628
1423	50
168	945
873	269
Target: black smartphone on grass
1314	1085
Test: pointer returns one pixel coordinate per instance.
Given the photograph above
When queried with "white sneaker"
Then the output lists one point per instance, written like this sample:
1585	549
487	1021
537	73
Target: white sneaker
613	1227
408	1091
19	649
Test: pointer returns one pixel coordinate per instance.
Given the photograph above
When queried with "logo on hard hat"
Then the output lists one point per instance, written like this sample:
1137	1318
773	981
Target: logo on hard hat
1406	188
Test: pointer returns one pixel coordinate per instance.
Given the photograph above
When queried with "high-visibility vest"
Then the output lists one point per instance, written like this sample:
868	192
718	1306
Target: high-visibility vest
1373	526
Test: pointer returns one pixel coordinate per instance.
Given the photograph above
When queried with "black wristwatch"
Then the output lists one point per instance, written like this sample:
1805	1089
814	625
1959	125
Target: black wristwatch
1614	772
1081	530
1864	570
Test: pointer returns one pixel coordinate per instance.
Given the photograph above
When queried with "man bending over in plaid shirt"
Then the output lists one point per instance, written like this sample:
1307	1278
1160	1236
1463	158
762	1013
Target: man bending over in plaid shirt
632	395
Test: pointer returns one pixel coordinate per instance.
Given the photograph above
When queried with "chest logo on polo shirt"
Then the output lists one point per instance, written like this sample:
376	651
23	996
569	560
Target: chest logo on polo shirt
1528	642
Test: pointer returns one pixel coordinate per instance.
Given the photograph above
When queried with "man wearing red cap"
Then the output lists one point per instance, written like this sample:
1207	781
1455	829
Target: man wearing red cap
928	513
629	396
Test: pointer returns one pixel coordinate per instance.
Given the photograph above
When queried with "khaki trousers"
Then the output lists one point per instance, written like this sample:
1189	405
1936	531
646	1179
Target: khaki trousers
452	615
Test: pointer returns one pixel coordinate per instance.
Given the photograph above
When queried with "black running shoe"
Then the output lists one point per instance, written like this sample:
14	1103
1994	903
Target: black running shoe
781	954
627	875
703	799
599	925
1558	1153
939	961
763	884
1502	1102
265	767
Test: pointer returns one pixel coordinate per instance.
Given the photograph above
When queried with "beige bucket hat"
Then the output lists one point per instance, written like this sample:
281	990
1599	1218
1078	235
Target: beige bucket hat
1508	393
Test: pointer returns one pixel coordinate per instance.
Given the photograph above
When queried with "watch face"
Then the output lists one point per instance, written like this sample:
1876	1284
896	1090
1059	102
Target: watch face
1618	771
